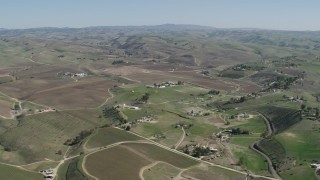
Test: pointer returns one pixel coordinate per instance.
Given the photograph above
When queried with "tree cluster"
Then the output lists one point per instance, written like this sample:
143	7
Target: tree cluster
199	151
82	135
237	131
144	99
117	62
113	113
214	92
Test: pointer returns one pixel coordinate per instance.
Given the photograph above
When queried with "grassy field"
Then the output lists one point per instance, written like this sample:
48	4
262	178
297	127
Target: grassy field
107	136
46	134
252	161
301	146
72	170
274	150
127	159
255	125
116	163
13	173
240	146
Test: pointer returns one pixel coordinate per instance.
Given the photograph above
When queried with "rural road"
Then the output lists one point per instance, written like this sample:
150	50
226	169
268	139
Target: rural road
255	148
181	139
110	97
147	167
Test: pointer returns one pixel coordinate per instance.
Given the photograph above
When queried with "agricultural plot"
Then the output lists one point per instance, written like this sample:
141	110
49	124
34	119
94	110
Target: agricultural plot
43	85
107	136
119	162
71	170
158	154
85	95
232	74
22	89
92	116
281	118
6	124
128	159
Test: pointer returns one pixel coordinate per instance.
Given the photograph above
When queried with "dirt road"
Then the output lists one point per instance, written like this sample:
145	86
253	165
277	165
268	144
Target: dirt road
256	148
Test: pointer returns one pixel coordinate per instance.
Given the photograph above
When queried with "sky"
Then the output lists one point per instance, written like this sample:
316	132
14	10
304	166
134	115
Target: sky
264	14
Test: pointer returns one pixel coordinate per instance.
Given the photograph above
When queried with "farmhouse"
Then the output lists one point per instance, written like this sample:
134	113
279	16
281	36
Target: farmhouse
294	99
48	173
71	74
145	119
315	165
243	116
80	74
165	84
129	107
213	149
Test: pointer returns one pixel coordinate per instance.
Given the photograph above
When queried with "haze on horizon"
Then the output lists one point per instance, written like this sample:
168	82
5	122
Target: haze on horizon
272	14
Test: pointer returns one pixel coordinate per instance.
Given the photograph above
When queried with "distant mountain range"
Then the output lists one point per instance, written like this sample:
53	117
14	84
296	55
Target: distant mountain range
158	27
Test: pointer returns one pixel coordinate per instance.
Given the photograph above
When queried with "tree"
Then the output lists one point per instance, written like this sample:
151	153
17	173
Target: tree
303	106
128	128
242	99
213	92
240	162
145	97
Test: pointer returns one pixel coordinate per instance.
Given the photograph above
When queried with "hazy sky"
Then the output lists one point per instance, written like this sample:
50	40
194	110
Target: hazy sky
268	14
